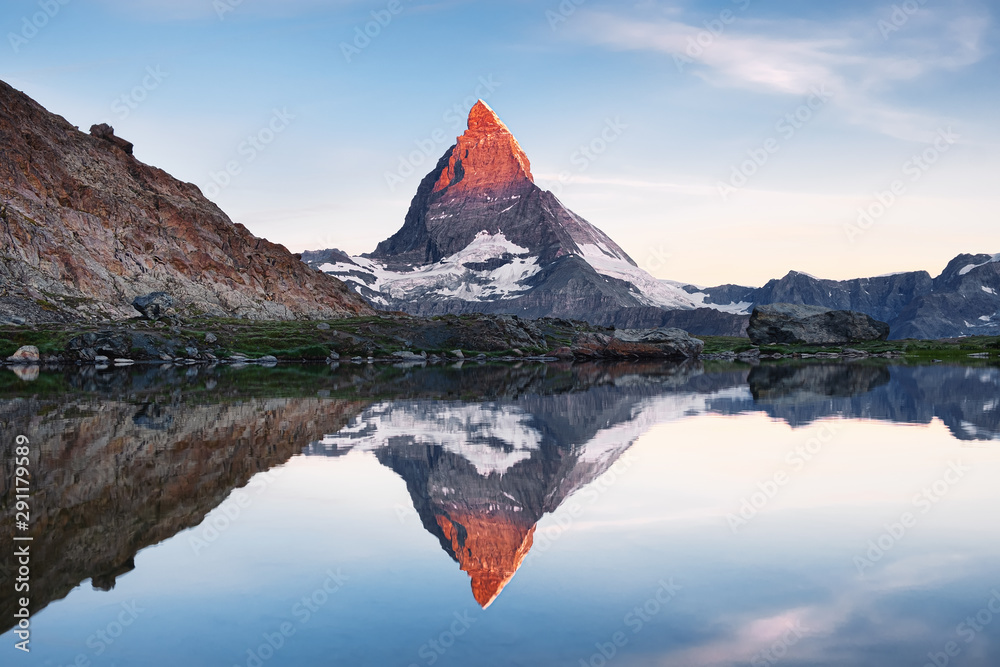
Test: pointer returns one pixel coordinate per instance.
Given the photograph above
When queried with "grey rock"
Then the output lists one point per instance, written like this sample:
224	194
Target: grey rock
407	356
111	344
153	306
267	359
668	342
211	338
458	354
784	323
323	326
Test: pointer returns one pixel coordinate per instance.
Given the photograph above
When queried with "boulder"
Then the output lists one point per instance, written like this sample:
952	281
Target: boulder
662	343
153	306
27	354
211	338
790	324
408	356
107	133
108	343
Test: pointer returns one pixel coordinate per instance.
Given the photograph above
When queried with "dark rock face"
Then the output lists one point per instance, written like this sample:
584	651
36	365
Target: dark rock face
700	321
87	228
153	306
108	343
784	323
963	301
106	132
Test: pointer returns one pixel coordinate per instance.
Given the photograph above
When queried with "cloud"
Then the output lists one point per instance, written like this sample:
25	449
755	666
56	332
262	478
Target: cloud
855	59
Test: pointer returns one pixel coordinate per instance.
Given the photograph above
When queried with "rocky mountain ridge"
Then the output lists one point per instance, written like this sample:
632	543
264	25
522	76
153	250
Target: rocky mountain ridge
964	300
87	228
481	237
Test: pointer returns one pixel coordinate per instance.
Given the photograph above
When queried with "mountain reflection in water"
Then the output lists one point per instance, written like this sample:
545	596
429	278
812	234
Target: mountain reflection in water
127	458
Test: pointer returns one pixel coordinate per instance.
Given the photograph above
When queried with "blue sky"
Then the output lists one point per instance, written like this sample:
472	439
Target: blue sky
729	141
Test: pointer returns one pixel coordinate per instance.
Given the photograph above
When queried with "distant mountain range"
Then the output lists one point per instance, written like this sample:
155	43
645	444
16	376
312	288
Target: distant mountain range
480	236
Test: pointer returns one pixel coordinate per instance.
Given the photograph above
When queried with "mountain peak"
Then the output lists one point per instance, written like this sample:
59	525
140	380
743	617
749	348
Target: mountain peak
482	118
486	158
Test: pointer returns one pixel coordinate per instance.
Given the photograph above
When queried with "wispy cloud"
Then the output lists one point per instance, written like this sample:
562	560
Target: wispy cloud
852	58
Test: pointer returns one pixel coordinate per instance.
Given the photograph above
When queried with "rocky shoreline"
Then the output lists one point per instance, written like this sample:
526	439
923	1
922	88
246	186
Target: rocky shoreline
403	339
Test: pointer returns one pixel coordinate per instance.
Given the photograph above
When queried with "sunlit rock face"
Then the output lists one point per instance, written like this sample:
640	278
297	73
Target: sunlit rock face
481	236
88	227
486	159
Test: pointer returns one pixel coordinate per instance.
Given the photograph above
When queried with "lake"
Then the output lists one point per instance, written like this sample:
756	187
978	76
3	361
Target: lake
482	514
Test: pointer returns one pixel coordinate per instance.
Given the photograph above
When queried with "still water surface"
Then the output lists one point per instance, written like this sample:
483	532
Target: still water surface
788	514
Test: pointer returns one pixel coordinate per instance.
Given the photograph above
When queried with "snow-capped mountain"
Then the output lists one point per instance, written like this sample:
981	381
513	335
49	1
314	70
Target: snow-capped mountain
480	236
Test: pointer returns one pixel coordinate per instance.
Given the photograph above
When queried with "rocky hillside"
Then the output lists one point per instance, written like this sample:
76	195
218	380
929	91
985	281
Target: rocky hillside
87	228
480	236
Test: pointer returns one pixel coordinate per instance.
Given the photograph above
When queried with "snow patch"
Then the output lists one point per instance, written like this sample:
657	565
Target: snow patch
989	290
969	267
652	291
450	277
493	438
